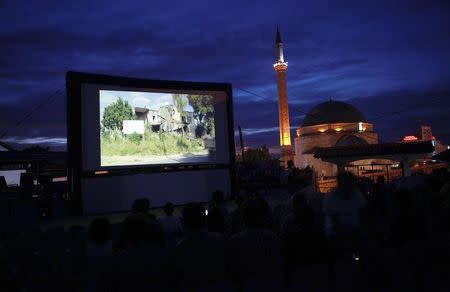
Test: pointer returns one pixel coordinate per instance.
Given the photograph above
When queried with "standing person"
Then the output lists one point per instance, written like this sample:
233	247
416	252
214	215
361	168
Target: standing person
200	255
98	254
343	209
380	208
142	261
255	252
171	226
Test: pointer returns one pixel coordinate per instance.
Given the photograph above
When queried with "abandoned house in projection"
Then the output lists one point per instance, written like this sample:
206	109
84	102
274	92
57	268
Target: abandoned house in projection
165	119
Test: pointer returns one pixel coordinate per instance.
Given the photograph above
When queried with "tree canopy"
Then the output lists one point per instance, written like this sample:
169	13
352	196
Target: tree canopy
116	113
180	103
203	106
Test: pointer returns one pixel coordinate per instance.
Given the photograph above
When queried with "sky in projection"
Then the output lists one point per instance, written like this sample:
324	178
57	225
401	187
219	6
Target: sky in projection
149	100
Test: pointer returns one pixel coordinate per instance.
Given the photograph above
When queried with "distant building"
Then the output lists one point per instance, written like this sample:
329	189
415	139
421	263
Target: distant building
425	134
335	136
166	119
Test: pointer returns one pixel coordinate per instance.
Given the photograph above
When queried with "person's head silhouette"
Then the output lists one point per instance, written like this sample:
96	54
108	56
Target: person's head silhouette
168	209
256	213
194	217
99	230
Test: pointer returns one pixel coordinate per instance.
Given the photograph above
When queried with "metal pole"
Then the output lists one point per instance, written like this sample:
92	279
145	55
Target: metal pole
242	142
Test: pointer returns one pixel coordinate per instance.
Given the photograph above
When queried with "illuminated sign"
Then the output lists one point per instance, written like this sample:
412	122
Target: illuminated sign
410	138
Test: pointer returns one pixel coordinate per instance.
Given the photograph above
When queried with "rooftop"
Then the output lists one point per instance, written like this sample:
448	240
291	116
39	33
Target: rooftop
333	112
419	147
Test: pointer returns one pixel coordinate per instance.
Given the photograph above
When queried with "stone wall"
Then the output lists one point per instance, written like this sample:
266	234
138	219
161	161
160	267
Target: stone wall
326	136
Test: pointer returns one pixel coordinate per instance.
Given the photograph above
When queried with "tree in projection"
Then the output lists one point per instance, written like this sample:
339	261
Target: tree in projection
203	106
116	113
180	103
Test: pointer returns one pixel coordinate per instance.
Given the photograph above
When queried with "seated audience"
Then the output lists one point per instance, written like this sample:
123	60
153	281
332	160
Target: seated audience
142	206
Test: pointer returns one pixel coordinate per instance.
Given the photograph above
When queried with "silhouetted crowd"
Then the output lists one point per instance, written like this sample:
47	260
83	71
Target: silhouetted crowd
361	236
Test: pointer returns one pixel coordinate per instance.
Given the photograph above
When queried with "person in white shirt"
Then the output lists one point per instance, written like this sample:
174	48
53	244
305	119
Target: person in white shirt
342	206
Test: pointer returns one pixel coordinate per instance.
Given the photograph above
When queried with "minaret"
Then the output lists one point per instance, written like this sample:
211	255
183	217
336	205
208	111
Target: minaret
280	67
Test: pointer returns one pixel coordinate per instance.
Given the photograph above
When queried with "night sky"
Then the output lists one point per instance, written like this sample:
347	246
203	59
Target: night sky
390	59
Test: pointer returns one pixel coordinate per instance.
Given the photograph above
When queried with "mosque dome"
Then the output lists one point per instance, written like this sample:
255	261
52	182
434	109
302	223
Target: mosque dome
333	112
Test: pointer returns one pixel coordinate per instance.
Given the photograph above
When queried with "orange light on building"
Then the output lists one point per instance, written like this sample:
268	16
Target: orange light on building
285	140
338	129
100	172
322	130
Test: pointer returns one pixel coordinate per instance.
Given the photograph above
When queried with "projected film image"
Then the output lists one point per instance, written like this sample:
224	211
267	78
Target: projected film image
138	128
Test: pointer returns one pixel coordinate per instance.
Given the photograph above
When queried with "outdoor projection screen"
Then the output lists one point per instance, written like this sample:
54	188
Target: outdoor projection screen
135	138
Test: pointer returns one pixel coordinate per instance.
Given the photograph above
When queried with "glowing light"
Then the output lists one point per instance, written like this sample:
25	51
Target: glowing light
410	138
286	141
280	64
322	130
338	129
99	172
360	127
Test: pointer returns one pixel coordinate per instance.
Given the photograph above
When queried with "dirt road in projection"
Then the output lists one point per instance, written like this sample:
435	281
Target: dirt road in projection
116	160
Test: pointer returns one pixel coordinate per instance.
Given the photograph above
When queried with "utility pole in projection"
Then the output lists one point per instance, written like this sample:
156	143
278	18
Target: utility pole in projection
280	67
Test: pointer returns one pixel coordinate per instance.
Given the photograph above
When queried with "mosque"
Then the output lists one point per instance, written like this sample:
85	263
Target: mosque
329	124
335	136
